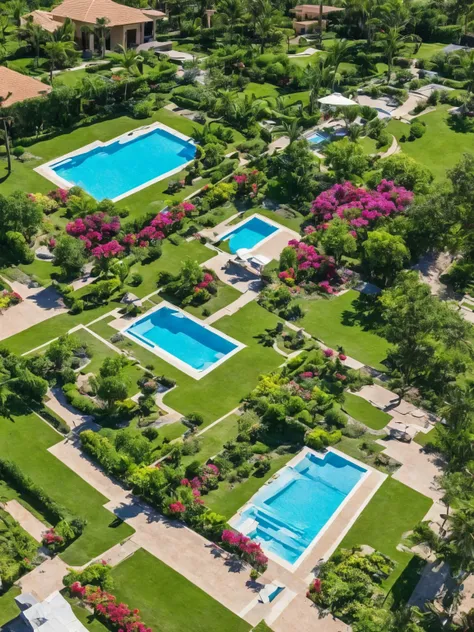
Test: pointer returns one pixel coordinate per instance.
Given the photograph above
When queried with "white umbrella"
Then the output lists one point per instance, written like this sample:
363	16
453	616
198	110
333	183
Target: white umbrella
336	99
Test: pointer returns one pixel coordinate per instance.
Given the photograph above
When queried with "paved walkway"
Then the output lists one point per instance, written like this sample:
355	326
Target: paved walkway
58	403
393	149
233	307
26	519
301	615
38	305
44	579
86	277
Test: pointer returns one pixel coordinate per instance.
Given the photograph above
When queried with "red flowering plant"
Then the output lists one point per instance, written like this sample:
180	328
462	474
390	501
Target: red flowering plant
59	195
358	206
250	184
117	616
302	265
245	548
52	540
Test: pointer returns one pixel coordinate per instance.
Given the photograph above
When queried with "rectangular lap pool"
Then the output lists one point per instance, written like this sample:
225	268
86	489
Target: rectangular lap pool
292	511
183	341
123	165
249	234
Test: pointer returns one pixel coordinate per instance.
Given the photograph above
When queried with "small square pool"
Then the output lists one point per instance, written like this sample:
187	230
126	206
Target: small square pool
183	341
249	233
291	512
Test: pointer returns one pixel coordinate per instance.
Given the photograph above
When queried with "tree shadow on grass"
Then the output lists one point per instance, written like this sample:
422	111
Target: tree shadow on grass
403	588
461	124
365	313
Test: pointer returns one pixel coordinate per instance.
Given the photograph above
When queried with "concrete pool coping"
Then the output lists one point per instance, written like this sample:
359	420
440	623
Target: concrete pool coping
369	472
169	357
227	233
46	169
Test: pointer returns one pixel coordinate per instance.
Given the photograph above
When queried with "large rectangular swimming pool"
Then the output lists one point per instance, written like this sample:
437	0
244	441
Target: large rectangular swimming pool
288	514
116	169
182	341
249	234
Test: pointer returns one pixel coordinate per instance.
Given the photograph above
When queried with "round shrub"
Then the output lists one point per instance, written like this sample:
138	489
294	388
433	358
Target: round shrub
417	130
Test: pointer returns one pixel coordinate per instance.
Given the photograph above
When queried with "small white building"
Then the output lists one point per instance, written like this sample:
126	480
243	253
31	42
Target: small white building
54	614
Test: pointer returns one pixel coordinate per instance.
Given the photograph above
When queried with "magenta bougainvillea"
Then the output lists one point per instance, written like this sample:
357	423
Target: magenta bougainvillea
177	508
160	226
108	250
51	538
359	206
94	230
246	548
118	616
312	267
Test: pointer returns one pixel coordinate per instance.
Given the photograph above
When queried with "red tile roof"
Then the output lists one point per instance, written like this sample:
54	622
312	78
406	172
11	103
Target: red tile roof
21	86
89	10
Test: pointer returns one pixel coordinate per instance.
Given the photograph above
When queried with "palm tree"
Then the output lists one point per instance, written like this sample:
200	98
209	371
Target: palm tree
65	32
101	30
462	531
467	64
338	53
4	24
292	130
317	76
57	53
354	132
129	60
6	120
17	9
391	43
35	35
366	13
231	13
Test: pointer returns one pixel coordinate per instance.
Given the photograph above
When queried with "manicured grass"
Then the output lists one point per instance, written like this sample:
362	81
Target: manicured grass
426	51
170	261
57	326
261	90
393	510
87	619
168	601
41	270
339	321
352	447
423	438
222	389
442	146
8	608
369	146
361	410
17	438
213	440
229	497
226	295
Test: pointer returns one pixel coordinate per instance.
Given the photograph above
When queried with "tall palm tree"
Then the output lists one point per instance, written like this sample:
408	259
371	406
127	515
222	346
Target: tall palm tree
65	32
317	76
130	61
4	24
35	35
58	54
366	13
101	30
6	120
292	130
231	12
392	41
17	8
336	55
467	64
462	532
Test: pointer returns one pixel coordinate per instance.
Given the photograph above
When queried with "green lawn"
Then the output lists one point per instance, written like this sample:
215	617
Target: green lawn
426	51
369	145
168	601
423	438
222	389
226	295
150	199
213	440
41	270
261	90
339	321
17	438
8	608
441	147
229	497
361	410
393	510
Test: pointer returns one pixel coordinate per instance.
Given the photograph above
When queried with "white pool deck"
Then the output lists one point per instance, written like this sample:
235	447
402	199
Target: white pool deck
331	534
46	170
123	325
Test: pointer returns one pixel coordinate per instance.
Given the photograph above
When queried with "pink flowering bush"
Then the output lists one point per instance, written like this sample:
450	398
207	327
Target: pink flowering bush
177	508
52	540
8	299
59	195
108	250
94	229
245	548
313	270
118	616
359	206
250	184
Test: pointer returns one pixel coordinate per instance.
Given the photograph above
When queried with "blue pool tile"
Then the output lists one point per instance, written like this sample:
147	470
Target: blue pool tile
249	234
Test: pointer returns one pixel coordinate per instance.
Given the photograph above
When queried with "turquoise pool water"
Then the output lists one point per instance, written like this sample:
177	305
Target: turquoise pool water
318	138
290	511
192	343
249	234
111	171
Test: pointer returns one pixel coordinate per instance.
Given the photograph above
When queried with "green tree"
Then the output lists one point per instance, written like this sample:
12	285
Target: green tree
20	214
230	13
338	241
101	30
130	61
29	386
292	130
407	172
35	35
112	390
70	255
346	159
384	255
16	9
58	53
6	121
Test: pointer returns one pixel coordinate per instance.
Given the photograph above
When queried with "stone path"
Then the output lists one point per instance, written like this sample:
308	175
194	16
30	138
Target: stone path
44	579
38	305
58	403
393	149
26	519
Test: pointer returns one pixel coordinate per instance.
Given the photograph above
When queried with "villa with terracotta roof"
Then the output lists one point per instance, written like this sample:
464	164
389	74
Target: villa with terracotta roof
127	26
307	17
19	87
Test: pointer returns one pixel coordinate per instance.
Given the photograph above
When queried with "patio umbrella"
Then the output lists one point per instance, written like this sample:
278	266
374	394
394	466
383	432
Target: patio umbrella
336	99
